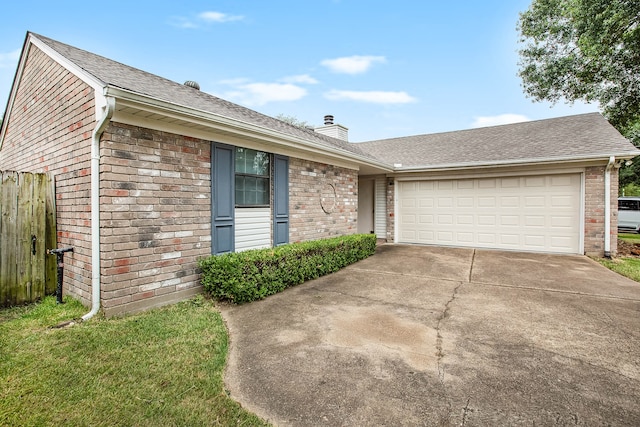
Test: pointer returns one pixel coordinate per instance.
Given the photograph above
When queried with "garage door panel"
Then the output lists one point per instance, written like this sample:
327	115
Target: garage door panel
562	180
425	235
486	220
534	221
539	213
426	185
509	202
408	219
512	240
562	222
425	219
464	202
445	220
465	184
486	202
464	220
560	242
561	201
485	238
465	237
408	203
536	181
510	220
510	183
445	237
487	183
445	202
535	202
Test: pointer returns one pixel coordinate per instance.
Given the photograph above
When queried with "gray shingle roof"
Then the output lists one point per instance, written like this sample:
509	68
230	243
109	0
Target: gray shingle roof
122	76
572	137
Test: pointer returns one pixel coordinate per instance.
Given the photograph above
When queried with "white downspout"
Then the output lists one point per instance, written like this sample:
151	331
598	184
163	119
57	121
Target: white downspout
95	206
607	207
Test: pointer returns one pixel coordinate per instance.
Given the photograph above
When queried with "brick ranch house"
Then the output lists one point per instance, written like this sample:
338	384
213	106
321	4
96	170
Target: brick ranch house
152	175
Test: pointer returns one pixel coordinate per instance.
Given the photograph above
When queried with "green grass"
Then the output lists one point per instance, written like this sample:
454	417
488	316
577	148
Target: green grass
630	237
160	368
628	267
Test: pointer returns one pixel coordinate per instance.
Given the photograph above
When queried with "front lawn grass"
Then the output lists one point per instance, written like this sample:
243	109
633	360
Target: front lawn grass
628	267
160	368
630	237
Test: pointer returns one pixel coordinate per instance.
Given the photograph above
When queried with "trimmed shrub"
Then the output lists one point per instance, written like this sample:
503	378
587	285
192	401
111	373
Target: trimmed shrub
252	275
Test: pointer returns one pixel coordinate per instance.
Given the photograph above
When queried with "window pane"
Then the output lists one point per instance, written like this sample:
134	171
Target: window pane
260	163
240	160
240	190
252	190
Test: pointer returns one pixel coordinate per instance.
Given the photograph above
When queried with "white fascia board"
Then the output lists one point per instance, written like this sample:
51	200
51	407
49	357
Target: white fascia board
222	123
524	162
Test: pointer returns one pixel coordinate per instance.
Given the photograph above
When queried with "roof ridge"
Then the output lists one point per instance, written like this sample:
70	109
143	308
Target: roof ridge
524	123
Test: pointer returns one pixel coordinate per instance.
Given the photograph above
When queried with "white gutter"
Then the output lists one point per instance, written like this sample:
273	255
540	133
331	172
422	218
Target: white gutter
607	207
95	205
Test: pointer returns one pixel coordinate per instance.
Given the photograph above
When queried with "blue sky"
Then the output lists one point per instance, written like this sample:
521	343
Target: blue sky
383	69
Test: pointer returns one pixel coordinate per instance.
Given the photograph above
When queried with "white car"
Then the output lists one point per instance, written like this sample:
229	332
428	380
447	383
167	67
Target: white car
629	213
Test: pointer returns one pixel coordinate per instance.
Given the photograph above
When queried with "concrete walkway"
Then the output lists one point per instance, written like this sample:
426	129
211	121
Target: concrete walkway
443	336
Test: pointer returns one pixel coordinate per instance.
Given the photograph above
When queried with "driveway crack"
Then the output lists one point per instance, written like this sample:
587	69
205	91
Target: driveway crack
445	313
473	259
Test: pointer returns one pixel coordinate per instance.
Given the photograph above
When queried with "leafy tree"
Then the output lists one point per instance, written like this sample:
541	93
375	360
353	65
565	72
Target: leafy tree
586	50
292	120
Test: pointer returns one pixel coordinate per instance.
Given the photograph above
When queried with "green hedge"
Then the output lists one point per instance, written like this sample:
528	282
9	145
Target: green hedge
252	275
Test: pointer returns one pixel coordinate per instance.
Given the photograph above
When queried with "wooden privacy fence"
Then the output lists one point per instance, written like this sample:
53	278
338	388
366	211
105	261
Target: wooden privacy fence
27	230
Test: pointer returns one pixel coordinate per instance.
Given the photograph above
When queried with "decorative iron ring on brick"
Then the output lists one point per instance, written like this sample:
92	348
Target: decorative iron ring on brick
328	198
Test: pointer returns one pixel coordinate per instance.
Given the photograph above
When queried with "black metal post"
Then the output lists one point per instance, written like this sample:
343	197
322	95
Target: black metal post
59	253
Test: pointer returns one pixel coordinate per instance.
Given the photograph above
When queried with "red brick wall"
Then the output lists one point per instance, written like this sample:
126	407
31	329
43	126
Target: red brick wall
594	211
156	216
311	183
49	130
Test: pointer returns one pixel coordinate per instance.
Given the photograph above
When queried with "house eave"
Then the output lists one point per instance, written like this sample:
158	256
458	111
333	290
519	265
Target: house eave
126	98
625	155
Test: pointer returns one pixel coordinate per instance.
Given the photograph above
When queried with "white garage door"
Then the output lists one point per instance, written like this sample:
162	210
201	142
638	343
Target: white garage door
528	213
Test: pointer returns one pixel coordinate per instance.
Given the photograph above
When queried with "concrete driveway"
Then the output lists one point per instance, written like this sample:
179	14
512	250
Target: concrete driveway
443	336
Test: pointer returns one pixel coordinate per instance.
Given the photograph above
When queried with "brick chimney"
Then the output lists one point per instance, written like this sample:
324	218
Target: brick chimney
333	130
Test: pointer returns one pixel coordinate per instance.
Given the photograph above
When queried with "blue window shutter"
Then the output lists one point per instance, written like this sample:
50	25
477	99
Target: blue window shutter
222	198
280	200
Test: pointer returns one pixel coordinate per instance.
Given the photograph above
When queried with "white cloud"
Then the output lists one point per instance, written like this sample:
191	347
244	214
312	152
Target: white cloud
301	78
211	16
262	93
208	17
375	97
352	64
501	119
10	59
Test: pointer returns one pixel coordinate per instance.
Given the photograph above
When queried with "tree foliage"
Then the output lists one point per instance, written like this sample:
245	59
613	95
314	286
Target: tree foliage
585	50
292	120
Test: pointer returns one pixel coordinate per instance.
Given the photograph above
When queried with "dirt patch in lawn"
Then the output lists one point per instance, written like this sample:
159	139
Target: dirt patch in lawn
627	249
